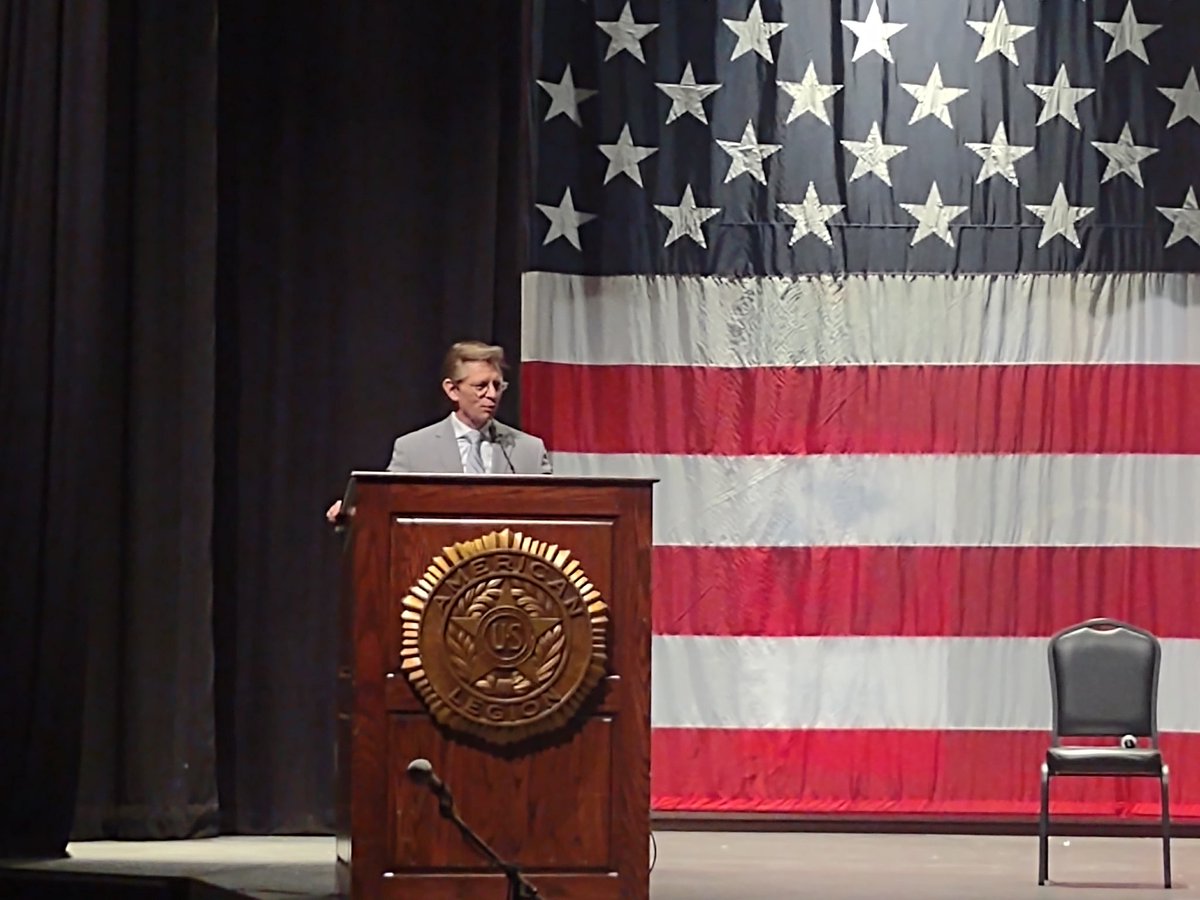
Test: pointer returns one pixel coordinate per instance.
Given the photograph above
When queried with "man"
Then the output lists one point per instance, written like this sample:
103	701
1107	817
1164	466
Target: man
470	439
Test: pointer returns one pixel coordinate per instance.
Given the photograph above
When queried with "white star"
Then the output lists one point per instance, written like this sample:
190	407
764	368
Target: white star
687	97
1186	219
872	155
626	34
747	155
564	220
565	97
933	217
1060	98
933	99
754	34
1059	217
1124	157
809	95
624	156
999	157
811	216
999	36
1128	35
1186	100
686	218
873	34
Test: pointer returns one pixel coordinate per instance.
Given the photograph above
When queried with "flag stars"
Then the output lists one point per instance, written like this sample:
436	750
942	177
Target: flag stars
1124	157
873	34
809	95
999	36
626	35
687	97
747	155
1060	99
1129	35
1186	100
625	157
999	157
1186	219
754	33
872	155
687	218
1059	217
933	98
564	220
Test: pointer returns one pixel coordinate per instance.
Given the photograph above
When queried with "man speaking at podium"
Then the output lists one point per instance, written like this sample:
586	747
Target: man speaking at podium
470	439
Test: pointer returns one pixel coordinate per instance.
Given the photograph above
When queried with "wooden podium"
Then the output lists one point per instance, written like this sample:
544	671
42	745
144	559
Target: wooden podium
498	627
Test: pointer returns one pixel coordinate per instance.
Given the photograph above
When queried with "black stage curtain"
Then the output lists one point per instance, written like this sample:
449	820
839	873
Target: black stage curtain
235	239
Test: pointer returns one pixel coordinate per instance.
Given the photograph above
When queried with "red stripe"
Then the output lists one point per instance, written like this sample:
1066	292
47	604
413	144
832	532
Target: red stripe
863	409
922	591
897	772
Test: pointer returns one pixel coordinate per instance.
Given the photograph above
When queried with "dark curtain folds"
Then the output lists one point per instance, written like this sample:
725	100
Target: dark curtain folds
108	167
368	218
235	240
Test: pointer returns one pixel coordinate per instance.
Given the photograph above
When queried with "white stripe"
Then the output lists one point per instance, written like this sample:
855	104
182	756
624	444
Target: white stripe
926	500
879	682
861	319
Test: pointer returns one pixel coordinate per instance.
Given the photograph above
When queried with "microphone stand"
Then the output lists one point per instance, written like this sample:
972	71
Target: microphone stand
518	887
497	440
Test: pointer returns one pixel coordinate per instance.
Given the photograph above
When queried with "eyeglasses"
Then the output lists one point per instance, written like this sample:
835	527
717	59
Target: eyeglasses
482	389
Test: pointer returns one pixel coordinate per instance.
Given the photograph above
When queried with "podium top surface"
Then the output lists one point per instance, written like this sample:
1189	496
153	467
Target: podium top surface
366	475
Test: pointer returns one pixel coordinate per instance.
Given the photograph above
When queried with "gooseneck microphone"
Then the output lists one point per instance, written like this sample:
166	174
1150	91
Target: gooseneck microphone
420	771
494	436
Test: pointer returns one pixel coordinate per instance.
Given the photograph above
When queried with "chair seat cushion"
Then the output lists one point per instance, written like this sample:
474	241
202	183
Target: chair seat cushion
1103	761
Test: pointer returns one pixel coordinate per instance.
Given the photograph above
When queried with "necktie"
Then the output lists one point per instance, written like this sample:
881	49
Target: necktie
474	464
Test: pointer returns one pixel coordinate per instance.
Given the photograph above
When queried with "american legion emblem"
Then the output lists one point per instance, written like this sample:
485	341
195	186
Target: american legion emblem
504	637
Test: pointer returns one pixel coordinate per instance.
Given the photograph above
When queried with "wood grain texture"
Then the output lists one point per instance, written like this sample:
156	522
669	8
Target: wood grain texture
571	807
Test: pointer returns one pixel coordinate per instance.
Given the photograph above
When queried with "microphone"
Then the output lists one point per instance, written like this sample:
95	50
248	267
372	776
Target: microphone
494	437
420	771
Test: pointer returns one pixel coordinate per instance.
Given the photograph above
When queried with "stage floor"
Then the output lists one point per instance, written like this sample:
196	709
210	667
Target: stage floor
720	865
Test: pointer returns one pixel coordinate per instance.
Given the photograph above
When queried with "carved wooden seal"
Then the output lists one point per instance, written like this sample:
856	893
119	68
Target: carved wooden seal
504	637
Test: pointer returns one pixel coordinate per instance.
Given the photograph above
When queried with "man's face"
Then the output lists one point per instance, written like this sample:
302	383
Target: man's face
476	393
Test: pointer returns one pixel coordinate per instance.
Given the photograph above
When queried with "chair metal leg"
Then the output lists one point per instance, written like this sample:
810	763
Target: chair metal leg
1044	828
1165	779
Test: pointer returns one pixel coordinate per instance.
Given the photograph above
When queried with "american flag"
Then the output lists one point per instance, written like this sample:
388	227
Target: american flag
895	298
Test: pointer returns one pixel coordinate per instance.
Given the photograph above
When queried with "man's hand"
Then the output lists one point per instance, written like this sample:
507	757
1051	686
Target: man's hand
332	513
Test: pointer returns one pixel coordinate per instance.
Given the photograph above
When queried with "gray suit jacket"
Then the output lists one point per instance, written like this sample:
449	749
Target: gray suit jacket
434	449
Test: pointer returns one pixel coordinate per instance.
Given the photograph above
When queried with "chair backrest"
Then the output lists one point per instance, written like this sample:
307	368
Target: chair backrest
1104	680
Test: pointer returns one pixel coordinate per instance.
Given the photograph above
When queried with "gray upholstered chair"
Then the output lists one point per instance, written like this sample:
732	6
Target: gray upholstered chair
1104	683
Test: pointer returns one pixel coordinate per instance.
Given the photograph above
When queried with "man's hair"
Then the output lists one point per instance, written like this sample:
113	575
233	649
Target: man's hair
471	351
